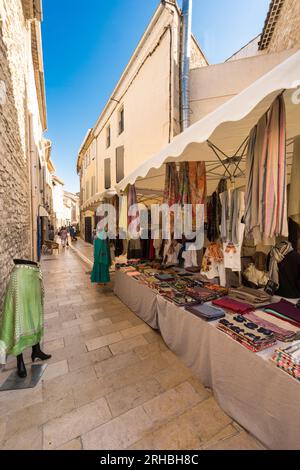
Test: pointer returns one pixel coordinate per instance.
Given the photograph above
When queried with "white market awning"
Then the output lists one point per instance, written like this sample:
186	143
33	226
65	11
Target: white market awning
227	128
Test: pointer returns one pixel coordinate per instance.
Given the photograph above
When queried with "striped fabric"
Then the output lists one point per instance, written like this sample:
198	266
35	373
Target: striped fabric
266	188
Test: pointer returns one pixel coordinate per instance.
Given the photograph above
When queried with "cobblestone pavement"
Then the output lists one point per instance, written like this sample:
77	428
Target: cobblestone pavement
111	382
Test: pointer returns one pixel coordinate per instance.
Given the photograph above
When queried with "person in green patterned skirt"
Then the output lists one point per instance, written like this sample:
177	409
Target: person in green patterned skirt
22	322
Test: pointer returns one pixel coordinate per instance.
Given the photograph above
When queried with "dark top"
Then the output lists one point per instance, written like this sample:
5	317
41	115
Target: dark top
25	261
289	276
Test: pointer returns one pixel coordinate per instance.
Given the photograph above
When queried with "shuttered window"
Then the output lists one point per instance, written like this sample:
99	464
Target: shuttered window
107	173
87	190
121	120
108	139
119	163
93	189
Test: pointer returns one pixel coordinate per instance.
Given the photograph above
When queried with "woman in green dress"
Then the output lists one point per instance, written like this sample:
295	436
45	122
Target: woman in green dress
102	259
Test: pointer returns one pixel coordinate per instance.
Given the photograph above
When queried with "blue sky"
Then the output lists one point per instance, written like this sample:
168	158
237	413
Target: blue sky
87	44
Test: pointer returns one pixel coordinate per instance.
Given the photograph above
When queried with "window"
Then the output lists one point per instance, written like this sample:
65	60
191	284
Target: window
119	164
107	173
87	190
121	120
93	189
108	137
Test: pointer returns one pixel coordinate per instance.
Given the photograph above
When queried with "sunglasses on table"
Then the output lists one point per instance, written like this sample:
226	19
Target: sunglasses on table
247	324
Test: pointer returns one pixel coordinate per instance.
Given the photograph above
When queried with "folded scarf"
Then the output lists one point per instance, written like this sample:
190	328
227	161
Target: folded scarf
286	310
207	312
233	305
280	333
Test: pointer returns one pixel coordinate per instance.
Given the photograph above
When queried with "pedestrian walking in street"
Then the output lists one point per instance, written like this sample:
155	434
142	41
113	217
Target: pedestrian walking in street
64	237
73	234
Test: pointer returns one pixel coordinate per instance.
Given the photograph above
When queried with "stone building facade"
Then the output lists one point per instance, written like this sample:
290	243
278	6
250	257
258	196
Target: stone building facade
142	114
282	26
22	122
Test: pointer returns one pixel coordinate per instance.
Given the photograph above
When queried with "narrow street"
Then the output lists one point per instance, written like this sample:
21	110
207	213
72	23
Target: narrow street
111	382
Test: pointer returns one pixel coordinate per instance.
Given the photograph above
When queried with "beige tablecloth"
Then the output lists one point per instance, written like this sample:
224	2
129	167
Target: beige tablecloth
256	394
138	297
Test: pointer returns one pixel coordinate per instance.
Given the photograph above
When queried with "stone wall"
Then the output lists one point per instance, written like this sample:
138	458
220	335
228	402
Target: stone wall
197	56
15	240
287	30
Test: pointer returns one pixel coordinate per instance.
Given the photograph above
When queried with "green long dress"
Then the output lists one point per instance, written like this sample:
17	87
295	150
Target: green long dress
22	321
102	261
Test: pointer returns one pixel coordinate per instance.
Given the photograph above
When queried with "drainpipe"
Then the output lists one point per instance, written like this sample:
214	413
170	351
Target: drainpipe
187	6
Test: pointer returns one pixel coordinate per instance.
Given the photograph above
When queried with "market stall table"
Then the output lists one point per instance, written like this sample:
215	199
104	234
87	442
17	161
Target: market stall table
248	386
138	297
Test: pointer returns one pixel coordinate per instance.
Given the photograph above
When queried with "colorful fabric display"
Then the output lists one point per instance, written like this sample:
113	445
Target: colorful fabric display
233	305
249	334
280	333
288	359
207	312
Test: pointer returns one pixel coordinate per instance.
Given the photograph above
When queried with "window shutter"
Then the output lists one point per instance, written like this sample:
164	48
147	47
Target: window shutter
107	173
119	164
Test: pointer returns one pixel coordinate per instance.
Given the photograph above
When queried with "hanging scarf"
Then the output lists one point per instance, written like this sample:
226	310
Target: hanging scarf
266	188
273	183
184	187
171	192
278	254
198	185
250	175
132	200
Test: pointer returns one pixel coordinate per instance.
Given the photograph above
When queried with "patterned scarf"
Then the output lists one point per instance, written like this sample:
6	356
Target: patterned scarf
171	192
184	186
278	254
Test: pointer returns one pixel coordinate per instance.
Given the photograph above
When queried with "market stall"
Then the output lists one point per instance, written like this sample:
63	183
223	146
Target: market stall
249	387
243	163
141	300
